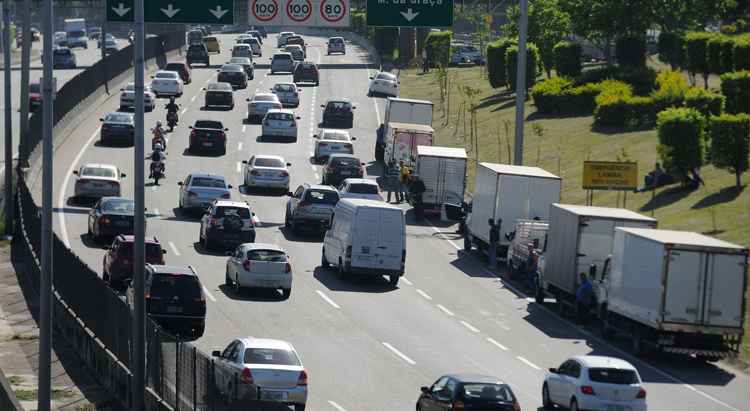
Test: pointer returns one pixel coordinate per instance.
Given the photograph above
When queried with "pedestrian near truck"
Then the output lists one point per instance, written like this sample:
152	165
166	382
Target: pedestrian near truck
584	298
494	240
392	180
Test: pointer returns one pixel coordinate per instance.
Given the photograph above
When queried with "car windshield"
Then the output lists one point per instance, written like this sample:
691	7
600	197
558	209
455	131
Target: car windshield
208	124
241	212
76	33
613	376
172	285
119	205
119	118
61	52
335	41
363	188
98	172
280	116
167	74
268	162
285	88
240	60
271	256
196	47
322	197
492	392
386	76
232	67
344	162
338	106
126	249
208	182
241	47
219	87
272	356
264	97
307	66
335	136
282	57
34	88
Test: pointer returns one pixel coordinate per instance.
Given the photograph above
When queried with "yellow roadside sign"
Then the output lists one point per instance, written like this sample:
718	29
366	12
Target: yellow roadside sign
610	175
488	18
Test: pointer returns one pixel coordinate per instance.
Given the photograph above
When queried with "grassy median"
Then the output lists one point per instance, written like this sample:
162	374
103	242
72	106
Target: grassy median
561	145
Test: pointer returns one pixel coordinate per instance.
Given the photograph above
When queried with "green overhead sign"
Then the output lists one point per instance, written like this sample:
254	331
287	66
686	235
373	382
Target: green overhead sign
174	11
410	13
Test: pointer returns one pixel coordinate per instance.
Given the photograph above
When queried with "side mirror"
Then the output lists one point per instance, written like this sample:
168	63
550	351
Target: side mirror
123	175
371	78
316	136
106	247
190	127
163	251
354	107
288	164
229	186
75	172
247	99
552	370
101	119
453	212
122	89
151	76
425	390
216	353
203	88
218	70
299	118
226	129
354	138
323	105
289	194
244	161
364	164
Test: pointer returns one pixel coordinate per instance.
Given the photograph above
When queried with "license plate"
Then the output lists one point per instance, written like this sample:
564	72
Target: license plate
174	309
274	395
346	173
268	283
97	185
122	223
208	144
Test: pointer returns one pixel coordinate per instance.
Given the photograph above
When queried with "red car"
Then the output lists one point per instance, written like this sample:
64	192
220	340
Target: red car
35	97
182	68
118	261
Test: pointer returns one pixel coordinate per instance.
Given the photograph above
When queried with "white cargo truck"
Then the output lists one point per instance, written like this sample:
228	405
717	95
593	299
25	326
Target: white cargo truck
75	30
443	171
508	193
407	124
676	291
581	237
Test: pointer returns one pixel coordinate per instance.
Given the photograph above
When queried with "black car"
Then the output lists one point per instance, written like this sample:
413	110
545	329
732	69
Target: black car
233	74
117	127
339	167
261	30
197	53
473	392
219	95
306	72
208	135
257	35
174	299
110	217
246	63
338	113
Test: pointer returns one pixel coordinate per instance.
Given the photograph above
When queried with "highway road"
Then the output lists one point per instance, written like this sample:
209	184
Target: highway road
366	345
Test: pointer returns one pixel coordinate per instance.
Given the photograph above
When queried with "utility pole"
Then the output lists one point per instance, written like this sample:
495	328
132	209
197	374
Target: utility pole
103	44
8	203
521	83
23	124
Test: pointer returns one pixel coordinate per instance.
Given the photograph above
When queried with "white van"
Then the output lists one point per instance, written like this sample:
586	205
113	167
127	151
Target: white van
366	237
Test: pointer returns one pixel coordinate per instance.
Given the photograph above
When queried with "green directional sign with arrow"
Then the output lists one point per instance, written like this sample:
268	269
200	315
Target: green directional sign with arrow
174	11
410	13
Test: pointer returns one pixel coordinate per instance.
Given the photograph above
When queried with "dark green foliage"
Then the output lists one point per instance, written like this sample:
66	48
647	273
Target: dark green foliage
730	143
631	51
598	75
716	60
696	46
438	46
532	65
559	96
672	49
568	58
706	102
633	112
681	139
736	88
642	79
496	65
741	54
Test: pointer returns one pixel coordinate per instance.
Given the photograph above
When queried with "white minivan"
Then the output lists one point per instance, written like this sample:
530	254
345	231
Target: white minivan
366	237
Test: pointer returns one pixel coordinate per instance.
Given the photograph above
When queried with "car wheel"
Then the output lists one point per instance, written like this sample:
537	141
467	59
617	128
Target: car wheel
546	402
323	261
394	279
286	293
237	286
573	405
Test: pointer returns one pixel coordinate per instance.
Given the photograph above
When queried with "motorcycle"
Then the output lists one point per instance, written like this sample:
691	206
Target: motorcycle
157	171
172	120
158	137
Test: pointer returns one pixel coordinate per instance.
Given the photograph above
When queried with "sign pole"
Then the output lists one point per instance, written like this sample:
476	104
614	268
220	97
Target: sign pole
521	83
8	123
23	135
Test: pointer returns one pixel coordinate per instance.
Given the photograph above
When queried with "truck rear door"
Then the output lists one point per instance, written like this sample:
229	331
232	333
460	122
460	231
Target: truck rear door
725	285
684	287
594	244
378	242
429	172
453	172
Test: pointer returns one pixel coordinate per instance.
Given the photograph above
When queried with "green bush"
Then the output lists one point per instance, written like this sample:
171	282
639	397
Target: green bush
730	143
631	51
727	55
643	79
706	102
610	90
359	24
681	139
438	47
532	65
597	75
626	112
696	46
716	59
671	87
496	63
741	54
558	95
672	49
568	58
735	87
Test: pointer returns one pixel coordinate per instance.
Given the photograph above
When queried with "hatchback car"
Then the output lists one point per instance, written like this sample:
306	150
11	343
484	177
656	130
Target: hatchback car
383	84
219	95
208	135
63	57
338	112
329	142
267	171
197	53
259	266
110	44
310	206
117	127
288	94
281	39
296	51
174	299
167	83
255	46
227	223
117	267
246	63
213	45
260	104
282	63
98	180
183	69
465	54
127	97
252	369
111	216
60	39
306	72
592	382
242	50
199	190
195	36
467	391
342	166
233	74
279	123
360	188
336	45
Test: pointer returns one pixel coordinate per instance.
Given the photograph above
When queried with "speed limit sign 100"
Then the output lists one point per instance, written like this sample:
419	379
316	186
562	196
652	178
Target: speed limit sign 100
299	11
265	10
332	11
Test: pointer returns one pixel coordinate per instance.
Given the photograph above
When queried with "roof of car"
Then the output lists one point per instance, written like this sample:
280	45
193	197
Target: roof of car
207	175
269	156
319	187
241	45
131	238
600	361
293	46
172	269
262	246
282	54
231	67
343	155
361	181
243	59
99	165
285	84
228	203
264	94
476	378
338	100
279	110
266	343
166	71
219	86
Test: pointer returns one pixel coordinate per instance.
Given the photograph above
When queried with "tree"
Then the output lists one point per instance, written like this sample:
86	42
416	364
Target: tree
548	25
511	60
730	143
686	15
696	46
568	58
681	139
496	63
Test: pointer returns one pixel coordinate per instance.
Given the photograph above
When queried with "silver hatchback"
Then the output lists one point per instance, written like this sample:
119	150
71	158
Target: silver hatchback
282	63
199	190
310	206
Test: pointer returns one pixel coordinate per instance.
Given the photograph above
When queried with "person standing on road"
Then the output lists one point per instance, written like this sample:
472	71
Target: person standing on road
494	240
584	298
403	191
425	62
392	180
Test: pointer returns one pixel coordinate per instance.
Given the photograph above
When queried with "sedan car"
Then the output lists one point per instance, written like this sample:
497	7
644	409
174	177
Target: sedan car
306	72
242	50
282	62
332	142
97	180
255	46
296	51
110	44
63	57
246	64
360	188
338	112
227	223
279	123
467	391
288	94
199	190
117	127
127	97
383	84
260	104
257	34
110	217
117	266
233	74
259	266
219	95
281	39
267	171
208	135
336	45
167	83
261	369
592	382
180	67
340	167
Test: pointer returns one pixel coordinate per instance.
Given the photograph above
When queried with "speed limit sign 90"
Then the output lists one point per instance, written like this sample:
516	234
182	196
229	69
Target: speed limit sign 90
299	11
332	11
264	10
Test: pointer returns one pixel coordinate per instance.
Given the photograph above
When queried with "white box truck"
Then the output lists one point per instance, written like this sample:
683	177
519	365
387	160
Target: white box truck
75	30
581	237
677	291
443	171
508	193
408	123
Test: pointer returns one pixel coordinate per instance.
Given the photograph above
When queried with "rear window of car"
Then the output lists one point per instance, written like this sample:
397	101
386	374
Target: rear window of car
219	87
386	76
322	197
232	67
613	376
363	189
207	182
493	392
282	57
98	172
272	356
344	162
241	47
271	256
240	60
166	74
170	285
34	88
208	124
119	118
241	212
264	98
335	136
118	205
285	88
336	41
280	116
175	67
196	48
268	162
126	249
61	52
338	106
308	66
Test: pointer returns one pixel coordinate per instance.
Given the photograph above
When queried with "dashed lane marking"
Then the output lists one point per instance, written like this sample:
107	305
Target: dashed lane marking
469	326
529	363
497	344
208	293
445	310
174	249
336	406
424	294
399	353
406	280
328	299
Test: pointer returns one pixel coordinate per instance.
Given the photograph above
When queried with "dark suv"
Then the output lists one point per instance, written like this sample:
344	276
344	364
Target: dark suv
208	135
228	223
338	112
339	167
197	53
183	69
306	72
117	267
174	299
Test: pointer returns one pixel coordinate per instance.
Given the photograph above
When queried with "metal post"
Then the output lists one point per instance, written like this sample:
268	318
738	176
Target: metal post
139	315
102	42
45	293
521	83
23	135
8	122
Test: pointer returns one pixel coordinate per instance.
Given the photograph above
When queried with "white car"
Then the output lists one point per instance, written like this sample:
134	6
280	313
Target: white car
167	83
267	171
257	265
259	105
242	50
360	188
332	142
288	94
280	123
127	97
385	84
592	382
98	180
281	40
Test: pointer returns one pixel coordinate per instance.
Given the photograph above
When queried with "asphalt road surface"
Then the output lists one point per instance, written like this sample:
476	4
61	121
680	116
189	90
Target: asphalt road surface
366	345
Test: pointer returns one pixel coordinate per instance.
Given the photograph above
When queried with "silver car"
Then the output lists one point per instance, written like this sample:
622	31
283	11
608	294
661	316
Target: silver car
288	94
98	180
282	62
260	104
199	190
261	369
267	171
254	265
310	206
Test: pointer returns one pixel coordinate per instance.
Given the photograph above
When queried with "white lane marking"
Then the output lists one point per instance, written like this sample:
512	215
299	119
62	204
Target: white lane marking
174	249
497	344
336	406
443	309
469	326
374	102
328	299
424	294
64	187
399	353
184	110
210	296
406	280
239	166
153	188
244	128
529	363
440	233
239	146
192	99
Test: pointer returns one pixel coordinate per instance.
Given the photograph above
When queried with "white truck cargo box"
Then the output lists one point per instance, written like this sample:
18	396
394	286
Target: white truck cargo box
443	171
403	140
402	110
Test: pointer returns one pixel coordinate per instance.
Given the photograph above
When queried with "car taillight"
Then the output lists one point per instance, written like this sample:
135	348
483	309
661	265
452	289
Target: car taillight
247	376
288	268
222	135
147	296
284	174
587	389
641	394
458	406
255	173
246	265
192	194
104	221
302	380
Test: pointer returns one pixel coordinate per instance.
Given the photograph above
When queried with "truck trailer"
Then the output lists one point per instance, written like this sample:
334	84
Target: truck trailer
407	124
443	171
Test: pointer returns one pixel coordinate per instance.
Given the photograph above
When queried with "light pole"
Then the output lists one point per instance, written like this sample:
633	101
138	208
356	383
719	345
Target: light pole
521	83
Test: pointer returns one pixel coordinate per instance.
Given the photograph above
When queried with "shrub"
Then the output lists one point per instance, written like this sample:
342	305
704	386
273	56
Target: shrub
438	47
598	75
730	143
716	59
671	87
610	90
672	49
736	88
631	51
496	69
727	55
681	139
359	24
696	46
558	95
568	58
706	102
741	54
626	112
532	65
643	79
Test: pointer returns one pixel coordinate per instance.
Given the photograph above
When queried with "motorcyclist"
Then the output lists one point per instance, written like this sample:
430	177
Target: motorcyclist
158	135
172	107
157	160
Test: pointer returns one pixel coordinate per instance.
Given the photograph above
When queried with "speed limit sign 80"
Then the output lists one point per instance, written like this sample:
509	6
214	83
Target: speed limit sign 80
332	13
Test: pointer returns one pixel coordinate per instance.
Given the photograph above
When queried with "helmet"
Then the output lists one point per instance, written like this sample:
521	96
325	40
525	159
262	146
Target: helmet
158	147
158	123
171	99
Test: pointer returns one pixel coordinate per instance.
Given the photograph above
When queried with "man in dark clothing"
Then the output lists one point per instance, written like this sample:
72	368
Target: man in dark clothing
494	240
584	298
416	189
